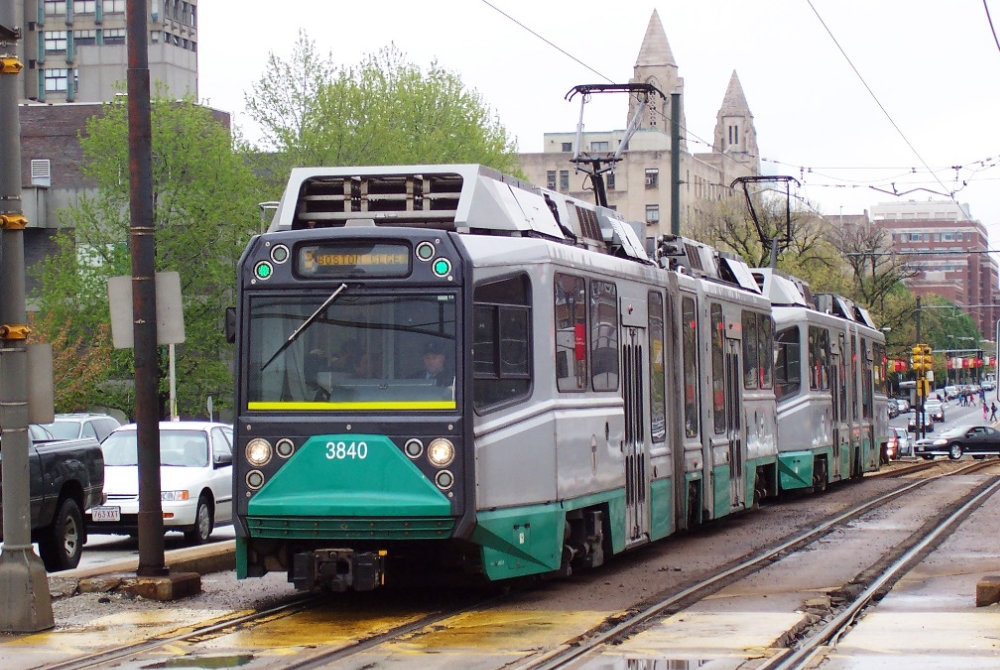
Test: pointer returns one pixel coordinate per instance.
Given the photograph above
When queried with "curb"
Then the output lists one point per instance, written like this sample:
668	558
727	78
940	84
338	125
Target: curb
215	557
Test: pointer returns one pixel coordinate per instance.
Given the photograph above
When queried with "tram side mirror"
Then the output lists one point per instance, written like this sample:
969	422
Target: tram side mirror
230	327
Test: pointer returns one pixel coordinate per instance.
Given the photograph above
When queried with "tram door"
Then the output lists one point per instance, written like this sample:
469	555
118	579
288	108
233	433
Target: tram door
734	412
633	393
838	418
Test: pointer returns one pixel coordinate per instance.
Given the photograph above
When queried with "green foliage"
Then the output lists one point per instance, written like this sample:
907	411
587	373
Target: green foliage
204	198
381	111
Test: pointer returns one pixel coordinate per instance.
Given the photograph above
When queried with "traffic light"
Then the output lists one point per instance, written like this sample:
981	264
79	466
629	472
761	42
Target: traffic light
923	358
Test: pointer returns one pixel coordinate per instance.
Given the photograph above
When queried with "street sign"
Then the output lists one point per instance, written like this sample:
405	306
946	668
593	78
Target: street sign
169	311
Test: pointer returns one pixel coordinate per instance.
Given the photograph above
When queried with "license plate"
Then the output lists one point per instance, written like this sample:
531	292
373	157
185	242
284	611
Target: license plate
106	513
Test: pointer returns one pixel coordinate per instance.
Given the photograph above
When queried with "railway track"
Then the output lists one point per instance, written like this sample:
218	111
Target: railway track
574	653
264	638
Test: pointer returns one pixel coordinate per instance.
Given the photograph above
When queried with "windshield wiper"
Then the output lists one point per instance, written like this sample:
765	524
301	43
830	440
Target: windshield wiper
305	324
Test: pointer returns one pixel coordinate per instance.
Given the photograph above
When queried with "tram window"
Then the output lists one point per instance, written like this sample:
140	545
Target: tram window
501	346
765	339
853	385
571	333
787	366
689	343
866	381
657	376
718	369
880	369
751	362
604	335
819	359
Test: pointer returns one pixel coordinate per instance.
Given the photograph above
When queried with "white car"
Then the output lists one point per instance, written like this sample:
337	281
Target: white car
196	480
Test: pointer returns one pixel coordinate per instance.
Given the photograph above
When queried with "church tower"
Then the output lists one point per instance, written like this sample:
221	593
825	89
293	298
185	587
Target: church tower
655	65
735	134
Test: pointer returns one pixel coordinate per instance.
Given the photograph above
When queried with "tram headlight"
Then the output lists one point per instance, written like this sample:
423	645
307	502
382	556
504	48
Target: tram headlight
284	447
258	452
441	452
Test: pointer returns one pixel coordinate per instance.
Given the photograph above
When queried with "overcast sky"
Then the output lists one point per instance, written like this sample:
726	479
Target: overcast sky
932	64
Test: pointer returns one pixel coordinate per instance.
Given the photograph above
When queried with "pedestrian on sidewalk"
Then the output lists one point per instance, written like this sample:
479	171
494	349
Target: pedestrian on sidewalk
986	410
993	411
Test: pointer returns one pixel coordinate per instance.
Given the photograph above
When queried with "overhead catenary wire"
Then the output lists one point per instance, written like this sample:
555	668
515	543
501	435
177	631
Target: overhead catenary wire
875	98
882	185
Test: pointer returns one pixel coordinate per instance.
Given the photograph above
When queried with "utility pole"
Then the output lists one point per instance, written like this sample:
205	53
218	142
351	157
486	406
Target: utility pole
675	164
25	602
143	247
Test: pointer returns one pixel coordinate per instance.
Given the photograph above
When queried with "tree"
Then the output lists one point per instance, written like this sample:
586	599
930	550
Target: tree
875	270
204	212
381	111
732	227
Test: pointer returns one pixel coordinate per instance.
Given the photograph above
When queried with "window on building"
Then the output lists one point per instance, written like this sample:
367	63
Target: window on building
652	213
550	179
501	342
55	7
598	146
114	6
604	335
84	6
55	41
56	79
734	135
652	178
563	180
567	147
571	333
112	36
610	179
84	37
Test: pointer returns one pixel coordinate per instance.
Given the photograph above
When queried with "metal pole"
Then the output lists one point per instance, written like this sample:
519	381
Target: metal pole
675	163
919	409
143	248
25	602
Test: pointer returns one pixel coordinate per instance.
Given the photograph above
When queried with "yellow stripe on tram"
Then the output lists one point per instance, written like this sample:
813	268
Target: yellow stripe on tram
432	404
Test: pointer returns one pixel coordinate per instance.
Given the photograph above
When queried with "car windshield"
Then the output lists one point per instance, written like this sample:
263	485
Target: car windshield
180	448
63	430
361	352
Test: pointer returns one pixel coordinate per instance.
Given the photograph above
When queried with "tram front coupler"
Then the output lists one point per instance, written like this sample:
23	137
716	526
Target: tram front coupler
338	570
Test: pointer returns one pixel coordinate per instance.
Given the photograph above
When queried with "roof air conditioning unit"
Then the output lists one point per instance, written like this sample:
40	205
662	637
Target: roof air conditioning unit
41	172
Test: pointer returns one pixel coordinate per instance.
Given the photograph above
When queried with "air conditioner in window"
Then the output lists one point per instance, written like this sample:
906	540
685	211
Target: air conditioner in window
41	172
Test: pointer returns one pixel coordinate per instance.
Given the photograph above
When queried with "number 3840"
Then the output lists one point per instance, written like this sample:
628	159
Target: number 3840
340	451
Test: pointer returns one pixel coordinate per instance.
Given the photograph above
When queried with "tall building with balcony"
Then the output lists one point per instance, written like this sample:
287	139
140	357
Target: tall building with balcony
953	260
74	50
639	186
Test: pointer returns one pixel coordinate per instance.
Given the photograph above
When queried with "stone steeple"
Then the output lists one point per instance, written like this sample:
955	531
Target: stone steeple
655	65
734	130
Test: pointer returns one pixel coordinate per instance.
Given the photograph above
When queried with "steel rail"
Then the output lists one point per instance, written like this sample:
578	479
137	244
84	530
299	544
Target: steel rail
561	655
804	653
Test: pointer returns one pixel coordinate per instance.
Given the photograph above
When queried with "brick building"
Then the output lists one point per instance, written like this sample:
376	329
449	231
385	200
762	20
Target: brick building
953	262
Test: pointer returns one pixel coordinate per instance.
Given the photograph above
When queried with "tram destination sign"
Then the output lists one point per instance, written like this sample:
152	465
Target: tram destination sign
339	259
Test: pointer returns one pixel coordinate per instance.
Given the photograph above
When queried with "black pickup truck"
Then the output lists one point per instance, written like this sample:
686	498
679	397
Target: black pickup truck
67	477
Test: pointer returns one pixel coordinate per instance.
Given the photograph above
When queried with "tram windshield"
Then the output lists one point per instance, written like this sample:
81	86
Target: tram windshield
359	352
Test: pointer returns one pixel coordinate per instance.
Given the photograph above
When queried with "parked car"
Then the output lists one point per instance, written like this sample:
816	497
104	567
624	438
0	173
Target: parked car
911	423
902	404
893	410
196	479
75	426
935	409
65	477
980	441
